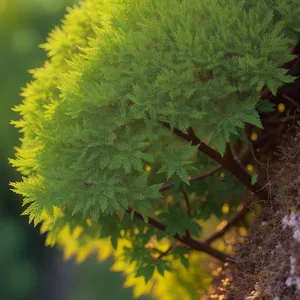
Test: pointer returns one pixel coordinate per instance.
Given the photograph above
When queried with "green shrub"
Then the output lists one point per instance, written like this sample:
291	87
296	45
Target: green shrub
137	93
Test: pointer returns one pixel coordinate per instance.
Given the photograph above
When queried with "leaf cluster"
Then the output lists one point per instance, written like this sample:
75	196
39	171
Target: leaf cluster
92	116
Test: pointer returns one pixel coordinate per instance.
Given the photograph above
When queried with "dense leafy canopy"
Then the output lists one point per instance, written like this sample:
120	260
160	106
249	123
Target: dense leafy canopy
93	117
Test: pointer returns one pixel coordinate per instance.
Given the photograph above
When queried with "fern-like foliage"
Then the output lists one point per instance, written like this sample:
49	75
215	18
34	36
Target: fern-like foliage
92	116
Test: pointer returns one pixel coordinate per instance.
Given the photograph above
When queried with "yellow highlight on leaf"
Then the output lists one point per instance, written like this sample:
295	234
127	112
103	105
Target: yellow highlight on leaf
140	287
118	266
225	208
49	241
83	253
254	136
105	249
281	107
77	232
169	198
250	168
243	231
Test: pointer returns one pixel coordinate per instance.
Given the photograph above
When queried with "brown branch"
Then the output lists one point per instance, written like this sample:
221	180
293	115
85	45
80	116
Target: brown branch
188	241
210	173
291	100
227	162
232	222
196	178
187	204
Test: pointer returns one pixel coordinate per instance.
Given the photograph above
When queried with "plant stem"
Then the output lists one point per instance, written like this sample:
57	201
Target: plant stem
187	202
227	162
188	208
232	222
186	240
162	254
196	178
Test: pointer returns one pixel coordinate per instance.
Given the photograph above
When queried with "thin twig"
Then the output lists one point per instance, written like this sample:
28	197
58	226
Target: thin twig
291	100
195	245
187	204
162	254
227	161
210	173
232	222
196	178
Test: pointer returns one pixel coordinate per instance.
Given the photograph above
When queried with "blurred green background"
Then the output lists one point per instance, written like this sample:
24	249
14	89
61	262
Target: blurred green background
29	270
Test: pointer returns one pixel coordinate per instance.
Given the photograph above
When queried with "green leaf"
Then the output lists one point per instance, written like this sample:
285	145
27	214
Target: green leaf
176	221
147	157
162	266
114	241
185	262
110	227
146	271
179	253
234	138
265	106
254	179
